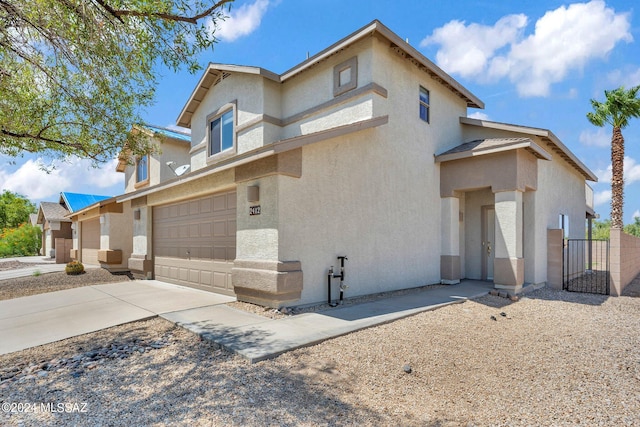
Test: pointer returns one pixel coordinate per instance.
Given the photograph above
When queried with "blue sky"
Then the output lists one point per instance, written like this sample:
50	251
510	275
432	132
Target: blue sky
533	63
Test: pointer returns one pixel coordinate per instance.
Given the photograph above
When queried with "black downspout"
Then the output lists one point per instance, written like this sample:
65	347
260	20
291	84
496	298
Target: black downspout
342	258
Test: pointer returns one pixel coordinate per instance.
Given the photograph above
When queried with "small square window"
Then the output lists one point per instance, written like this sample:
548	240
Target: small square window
142	169
424	104
345	76
221	133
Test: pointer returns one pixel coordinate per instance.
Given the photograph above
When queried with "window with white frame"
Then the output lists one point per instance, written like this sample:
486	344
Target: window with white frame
142	169
424	104
221	133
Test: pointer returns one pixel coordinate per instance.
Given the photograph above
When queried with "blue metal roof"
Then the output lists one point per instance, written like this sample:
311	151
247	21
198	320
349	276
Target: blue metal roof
168	132
76	201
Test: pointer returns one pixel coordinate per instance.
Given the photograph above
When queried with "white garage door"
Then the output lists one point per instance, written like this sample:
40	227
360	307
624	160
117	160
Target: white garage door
90	241
194	242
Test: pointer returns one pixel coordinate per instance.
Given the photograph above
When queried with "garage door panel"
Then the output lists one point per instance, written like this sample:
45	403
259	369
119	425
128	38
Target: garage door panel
220	203
190	235
220	228
206	278
206	206
231	200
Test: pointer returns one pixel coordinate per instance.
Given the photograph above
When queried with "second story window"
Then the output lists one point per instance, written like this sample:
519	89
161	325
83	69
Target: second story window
142	169
424	104
221	133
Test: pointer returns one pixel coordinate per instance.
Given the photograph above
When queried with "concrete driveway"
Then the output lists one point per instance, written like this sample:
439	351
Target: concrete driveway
45	318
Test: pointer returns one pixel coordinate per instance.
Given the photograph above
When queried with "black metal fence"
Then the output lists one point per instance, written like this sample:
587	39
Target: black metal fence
585	266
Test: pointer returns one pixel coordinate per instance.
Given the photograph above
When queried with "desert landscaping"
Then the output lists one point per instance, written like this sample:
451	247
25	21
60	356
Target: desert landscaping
551	358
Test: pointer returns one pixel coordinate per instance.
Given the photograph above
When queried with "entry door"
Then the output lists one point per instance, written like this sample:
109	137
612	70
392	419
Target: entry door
488	241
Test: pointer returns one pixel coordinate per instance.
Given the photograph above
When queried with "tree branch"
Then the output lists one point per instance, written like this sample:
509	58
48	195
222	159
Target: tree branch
44	139
166	16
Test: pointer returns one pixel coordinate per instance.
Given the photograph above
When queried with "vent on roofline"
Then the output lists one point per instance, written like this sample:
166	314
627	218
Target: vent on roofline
221	78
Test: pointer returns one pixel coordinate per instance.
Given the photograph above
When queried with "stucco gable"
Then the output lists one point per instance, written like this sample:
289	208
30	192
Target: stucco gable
217	72
544	134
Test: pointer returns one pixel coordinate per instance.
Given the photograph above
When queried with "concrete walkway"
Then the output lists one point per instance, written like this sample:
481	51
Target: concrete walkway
40	319
258	338
45	318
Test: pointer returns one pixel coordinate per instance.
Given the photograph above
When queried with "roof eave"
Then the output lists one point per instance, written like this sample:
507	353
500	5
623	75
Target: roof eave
208	79
545	134
92	206
377	27
530	146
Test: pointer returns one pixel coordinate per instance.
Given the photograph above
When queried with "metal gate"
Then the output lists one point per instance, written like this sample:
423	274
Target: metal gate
585	266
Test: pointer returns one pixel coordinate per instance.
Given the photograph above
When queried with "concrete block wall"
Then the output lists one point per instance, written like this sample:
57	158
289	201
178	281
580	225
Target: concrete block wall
554	258
625	260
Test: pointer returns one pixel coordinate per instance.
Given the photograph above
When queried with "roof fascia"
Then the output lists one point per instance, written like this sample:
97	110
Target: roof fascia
542	133
86	209
215	70
377	26
530	145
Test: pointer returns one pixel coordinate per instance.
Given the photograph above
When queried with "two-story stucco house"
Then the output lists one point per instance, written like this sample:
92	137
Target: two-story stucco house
363	150
103	229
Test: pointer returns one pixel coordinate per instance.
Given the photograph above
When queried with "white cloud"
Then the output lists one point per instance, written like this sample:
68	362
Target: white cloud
478	115
601	197
636	214
74	175
631	172
467	50
627	78
595	138
242	21
564	40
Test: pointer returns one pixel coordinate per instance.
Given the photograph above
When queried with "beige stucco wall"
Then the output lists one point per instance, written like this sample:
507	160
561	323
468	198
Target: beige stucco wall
257	235
116	233
509	170
169	150
243	92
361	195
189	189
141	229
560	190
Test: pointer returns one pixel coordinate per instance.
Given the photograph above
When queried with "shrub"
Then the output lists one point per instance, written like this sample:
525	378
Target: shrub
20	241
74	267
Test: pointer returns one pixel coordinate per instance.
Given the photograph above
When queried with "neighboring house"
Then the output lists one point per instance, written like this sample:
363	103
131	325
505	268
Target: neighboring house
33	220
363	150
169	159
53	218
55	225
102	234
172	152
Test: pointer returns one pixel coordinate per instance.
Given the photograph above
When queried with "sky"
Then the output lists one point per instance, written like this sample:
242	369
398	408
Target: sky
534	64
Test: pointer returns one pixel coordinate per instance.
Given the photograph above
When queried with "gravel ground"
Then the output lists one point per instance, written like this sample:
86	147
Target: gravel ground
50	282
554	358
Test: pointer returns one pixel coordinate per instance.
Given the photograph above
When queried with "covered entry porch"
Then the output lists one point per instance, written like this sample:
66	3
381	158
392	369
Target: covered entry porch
487	187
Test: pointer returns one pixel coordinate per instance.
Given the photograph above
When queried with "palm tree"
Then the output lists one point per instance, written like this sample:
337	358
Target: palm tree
619	107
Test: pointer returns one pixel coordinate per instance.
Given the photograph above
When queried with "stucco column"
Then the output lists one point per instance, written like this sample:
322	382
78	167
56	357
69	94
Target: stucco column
449	240
508	265
259	275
